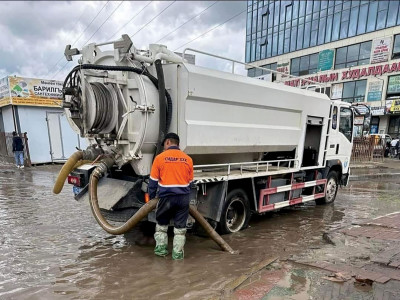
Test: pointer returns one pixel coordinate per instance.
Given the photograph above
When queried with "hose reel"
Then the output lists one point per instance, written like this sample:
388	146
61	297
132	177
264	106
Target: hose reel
102	107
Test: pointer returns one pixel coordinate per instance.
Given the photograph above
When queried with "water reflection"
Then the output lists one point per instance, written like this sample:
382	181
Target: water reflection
52	247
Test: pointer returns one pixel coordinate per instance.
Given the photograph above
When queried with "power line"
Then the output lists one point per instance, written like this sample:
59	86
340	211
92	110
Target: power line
92	35
103	22
215	27
129	21
198	15
152	19
55	65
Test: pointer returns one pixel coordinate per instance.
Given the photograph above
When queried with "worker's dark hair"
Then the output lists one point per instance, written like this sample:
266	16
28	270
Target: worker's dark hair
174	141
14	133
172	137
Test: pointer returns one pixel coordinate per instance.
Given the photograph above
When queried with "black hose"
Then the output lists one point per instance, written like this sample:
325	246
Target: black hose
153	79
163	108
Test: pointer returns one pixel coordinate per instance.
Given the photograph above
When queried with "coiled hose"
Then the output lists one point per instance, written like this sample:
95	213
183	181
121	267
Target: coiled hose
72	80
65	170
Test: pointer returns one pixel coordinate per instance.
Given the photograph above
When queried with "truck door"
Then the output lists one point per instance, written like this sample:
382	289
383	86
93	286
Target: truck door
340	138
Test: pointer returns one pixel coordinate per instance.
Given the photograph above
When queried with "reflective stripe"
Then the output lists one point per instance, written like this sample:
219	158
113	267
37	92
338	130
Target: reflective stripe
173	185
153	178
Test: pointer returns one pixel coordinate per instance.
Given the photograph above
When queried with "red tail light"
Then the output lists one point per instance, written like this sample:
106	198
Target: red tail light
75	180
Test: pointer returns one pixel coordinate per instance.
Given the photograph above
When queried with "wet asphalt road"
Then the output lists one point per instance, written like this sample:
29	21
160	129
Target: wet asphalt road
52	248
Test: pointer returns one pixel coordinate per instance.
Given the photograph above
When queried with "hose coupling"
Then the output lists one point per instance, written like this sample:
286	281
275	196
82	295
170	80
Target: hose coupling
91	153
105	164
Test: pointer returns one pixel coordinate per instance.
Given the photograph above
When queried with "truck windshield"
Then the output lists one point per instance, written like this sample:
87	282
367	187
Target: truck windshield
346	122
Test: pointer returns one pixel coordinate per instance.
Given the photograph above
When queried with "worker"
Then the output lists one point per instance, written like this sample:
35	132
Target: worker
171	173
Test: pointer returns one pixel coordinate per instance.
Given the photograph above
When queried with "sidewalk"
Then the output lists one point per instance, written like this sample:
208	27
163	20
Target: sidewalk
363	170
388	163
359	262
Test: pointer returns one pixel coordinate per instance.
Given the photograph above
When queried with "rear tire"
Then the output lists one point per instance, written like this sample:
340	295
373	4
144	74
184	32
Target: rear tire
235	214
332	184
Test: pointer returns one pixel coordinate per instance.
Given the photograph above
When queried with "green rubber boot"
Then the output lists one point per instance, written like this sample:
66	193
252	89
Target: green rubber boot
161	237
179	243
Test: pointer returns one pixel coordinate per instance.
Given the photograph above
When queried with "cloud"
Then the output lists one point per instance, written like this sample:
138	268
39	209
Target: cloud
34	34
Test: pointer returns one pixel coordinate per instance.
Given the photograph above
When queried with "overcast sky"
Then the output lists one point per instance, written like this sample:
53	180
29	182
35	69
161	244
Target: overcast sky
34	34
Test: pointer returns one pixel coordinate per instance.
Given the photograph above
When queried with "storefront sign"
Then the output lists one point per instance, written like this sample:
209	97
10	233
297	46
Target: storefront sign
374	129
283	68
375	90
388	106
337	91
30	91
377	110
380	50
358	120
4	88
325	60
35	88
354	74
393	85
395	107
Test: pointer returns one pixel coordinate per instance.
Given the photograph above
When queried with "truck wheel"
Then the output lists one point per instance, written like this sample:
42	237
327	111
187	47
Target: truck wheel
235	213
332	184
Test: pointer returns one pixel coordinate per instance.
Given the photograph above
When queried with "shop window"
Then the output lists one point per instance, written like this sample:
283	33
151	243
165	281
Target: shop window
374	125
353	55
394	125
353	91
396	47
269	66
251	72
304	65
393	87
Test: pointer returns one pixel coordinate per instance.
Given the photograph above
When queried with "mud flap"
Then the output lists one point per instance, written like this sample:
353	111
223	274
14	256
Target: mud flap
344	181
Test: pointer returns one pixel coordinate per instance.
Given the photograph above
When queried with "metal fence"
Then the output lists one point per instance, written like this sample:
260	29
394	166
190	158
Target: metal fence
6	153
368	149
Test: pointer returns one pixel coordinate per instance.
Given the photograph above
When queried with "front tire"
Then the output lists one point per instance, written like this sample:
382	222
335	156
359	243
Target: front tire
235	214
332	185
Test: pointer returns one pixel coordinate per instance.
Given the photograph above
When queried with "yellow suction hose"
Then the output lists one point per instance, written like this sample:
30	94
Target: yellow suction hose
94	205
65	170
141	213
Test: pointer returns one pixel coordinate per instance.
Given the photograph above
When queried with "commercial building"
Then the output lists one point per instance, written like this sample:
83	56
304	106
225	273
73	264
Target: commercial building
34	106
351	47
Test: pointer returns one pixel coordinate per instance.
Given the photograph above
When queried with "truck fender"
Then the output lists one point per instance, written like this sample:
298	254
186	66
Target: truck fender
210	199
334	165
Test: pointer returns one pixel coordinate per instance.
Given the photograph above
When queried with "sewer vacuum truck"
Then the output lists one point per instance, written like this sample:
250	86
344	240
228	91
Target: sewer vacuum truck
257	146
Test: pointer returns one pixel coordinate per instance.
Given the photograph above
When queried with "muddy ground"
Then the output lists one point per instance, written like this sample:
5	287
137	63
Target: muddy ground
52	248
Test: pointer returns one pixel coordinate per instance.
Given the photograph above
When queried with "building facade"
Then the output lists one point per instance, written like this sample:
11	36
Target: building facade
351	48
33	106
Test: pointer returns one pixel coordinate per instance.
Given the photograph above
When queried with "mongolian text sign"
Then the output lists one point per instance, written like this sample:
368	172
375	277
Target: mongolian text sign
380	50
375	90
325	60
30	91
393	85
354	74
377	110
